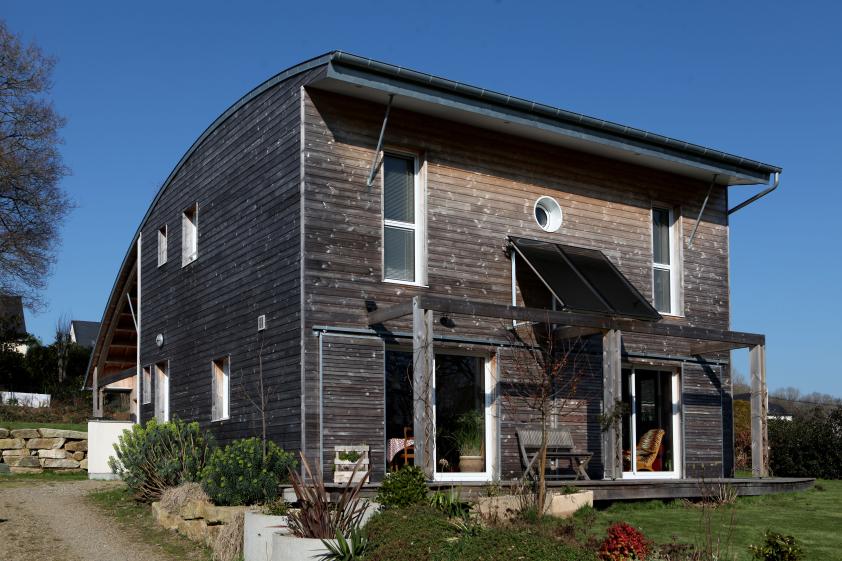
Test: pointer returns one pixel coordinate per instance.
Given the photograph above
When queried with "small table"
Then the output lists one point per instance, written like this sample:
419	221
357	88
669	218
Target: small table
395	445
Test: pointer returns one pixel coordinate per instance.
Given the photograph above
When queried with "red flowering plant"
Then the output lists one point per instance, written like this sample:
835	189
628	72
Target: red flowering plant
624	543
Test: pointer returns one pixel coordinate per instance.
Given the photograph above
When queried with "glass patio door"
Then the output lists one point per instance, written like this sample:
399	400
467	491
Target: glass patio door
651	423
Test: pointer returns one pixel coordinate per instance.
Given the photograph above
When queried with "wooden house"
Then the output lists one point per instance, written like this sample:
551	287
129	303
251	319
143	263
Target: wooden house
346	251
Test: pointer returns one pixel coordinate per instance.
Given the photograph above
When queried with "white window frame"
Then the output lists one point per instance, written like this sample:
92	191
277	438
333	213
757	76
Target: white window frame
221	411
677	442
419	227
189	235
146	385
162	245
489	379
162	391
674	267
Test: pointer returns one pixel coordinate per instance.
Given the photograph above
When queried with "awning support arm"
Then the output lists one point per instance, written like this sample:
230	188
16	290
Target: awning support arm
702	211
373	171
131	309
762	193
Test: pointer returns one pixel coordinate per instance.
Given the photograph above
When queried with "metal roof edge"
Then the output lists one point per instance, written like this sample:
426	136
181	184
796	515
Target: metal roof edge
546	111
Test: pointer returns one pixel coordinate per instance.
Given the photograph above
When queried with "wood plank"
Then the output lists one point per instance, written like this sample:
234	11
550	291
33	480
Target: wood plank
422	387
759	412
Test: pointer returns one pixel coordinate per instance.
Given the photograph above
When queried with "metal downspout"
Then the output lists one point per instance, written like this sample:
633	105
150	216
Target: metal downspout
758	195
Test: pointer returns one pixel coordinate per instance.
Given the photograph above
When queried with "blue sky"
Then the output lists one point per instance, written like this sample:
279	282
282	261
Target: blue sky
140	81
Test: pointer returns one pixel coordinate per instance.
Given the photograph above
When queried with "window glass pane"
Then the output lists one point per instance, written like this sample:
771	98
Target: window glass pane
460	414
661	236
662	290
399	189
399	253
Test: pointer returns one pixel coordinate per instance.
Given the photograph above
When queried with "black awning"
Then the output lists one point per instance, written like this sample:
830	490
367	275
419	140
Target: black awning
584	280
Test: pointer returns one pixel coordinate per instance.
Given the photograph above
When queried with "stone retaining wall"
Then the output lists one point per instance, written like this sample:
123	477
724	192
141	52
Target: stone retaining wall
34	450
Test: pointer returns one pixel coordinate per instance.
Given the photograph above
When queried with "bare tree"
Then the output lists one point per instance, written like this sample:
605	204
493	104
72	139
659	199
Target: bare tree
32	206
544	377
259	398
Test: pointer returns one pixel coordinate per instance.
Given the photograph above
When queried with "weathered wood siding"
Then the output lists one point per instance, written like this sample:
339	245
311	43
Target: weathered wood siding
481	187
245	178
352	396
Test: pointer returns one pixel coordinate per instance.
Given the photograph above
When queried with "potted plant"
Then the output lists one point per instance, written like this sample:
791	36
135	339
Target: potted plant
469	437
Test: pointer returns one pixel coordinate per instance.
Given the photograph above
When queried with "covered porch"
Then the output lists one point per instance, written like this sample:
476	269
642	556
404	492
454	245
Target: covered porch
701	341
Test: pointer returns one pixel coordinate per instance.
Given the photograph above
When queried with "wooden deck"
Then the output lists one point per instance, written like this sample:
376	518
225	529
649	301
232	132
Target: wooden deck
639	489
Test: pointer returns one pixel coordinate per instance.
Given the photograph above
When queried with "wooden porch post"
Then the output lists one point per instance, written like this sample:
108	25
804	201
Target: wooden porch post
95	393
422	387
611	394
759	412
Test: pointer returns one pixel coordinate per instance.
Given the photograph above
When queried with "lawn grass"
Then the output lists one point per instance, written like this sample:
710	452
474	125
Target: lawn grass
136	519
13	425
814	517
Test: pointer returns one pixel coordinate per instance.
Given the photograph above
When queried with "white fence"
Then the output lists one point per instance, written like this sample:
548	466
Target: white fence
25	399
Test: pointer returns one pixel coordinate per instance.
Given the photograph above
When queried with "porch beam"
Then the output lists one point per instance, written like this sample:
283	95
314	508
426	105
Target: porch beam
568	332
715	347
422	387
382	315
759	412
573	319
612	459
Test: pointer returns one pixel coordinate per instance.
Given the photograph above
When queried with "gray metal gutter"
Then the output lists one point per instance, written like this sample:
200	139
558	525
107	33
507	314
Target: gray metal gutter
600	126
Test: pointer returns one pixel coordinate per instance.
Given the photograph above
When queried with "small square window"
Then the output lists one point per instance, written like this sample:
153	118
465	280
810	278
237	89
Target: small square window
220	381
190	234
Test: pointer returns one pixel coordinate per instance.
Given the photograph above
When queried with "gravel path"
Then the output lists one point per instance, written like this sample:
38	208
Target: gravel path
52	521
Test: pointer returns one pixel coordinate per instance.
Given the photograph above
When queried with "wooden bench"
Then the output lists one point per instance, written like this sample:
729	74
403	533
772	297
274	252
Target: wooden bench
559	447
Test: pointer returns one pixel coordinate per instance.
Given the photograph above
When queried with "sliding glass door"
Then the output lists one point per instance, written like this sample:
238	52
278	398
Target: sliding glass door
651	423
463	421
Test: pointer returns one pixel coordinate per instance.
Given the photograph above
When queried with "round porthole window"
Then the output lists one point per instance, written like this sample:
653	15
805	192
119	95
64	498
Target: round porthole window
548	214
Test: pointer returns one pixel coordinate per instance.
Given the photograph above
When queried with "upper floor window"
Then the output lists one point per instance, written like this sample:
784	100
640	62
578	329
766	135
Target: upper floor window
666	272
220	382
162	245
190	234
403	220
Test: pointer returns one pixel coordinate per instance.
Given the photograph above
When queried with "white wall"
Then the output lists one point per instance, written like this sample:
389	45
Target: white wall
102	436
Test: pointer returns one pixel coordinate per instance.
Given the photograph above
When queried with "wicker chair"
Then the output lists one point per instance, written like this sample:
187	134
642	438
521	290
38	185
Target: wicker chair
647	449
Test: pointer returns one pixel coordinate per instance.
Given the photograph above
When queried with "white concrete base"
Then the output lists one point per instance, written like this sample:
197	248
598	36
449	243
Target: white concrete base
258	531
290	548
564	506
103	476
102	436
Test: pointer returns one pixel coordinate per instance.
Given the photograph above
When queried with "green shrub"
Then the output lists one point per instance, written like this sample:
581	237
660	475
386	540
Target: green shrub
777	547
239	474
810	445
450	503
407	486
155	456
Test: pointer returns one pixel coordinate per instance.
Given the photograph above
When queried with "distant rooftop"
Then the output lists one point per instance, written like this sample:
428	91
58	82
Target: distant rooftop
84	332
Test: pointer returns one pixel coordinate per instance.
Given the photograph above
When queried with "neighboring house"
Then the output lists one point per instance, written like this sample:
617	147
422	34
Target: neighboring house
12	320
84	333
355	261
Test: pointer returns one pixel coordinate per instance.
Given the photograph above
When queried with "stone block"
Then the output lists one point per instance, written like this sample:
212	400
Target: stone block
45	443
4	433
193	509
220	514
60	433
18	452
11	443
195	530
54	454
84	464
26	433
60	464
12	460
77	446
15	469
29	462
164	518
78	456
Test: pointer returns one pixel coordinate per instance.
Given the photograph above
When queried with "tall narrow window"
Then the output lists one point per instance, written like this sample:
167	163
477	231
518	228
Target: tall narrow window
146	388
162	392
162	245
190	234
665	266
403	235
220	376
